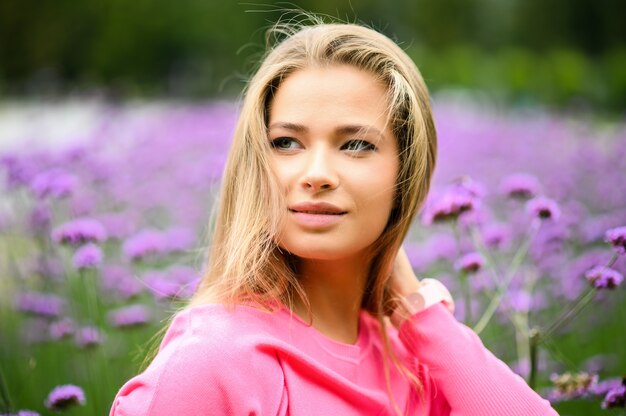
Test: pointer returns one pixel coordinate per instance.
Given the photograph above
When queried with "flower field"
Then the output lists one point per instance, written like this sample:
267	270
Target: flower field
102	239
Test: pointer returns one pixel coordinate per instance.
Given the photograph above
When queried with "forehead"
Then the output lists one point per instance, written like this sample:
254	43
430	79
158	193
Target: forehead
338	94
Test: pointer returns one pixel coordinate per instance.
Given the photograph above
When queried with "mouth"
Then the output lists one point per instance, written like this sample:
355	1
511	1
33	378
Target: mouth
312	212
316	208
317	215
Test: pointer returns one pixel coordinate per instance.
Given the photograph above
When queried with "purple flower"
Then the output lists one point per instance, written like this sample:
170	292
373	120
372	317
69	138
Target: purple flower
161	287
62	397
179	239
18	170
41	304
617	238
149	242
176	282
602	277
548	245
61	329
145	243
496	236
473	188
449	207
40	218
22	413
118	225
88	256
187	278
129	316
604	386
120	281
571	285
88	336
79	231
128	288
182	274
570	386
543	208
520	186
616	397
470	263
55	183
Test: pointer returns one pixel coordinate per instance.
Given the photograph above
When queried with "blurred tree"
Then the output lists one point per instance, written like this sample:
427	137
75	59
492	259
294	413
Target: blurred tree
199	47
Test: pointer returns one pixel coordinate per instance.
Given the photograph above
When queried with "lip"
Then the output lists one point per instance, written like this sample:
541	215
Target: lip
316	214
316	208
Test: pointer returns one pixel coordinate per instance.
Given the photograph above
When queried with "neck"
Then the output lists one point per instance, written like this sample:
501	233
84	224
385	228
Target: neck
334	289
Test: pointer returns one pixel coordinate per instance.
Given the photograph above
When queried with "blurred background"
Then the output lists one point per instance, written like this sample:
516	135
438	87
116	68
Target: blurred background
116	119
559	53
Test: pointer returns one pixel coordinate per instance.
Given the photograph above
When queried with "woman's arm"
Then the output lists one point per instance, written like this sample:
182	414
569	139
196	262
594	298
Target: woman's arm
204	373
472	380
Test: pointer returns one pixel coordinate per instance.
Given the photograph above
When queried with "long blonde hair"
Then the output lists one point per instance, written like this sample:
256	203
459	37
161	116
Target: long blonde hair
245	264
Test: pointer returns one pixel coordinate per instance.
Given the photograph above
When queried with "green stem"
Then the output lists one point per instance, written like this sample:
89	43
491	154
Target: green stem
5	399
90	293
465	286
534	337
467	297
521	335
569	314
501	291
457	236
491	261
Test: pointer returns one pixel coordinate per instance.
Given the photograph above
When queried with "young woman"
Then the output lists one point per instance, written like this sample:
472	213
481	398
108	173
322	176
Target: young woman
309	305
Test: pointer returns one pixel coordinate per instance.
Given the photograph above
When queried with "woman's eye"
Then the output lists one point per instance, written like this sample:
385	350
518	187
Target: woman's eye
358	146
284	143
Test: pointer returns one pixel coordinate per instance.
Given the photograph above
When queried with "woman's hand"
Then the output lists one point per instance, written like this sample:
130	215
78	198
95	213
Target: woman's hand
403	280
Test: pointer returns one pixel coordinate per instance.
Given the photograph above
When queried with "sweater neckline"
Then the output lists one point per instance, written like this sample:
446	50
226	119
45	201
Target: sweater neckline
336	348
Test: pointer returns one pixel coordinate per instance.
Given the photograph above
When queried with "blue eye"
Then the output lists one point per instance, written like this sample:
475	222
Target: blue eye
358	146
284	143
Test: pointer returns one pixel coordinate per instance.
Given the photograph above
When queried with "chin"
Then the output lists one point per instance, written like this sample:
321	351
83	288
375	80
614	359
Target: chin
312	253
326	252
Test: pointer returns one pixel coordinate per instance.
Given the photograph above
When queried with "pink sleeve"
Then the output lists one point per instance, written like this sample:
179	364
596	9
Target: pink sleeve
471	379
201	375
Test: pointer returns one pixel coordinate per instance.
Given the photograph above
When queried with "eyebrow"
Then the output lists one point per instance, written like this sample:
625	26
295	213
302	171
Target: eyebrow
346	129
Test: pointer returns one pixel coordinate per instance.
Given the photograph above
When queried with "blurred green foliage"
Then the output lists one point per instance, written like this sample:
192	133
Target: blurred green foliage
558	52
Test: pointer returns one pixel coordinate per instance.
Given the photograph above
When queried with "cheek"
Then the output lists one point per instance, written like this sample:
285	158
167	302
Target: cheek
378	198
283	173
388	197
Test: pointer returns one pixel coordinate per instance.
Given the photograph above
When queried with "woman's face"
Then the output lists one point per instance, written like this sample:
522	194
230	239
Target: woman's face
336	159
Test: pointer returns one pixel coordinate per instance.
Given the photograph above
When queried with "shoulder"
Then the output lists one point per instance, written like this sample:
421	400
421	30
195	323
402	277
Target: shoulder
213	326
210	338
209	360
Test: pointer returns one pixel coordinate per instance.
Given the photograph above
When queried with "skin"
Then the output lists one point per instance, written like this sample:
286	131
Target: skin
316	158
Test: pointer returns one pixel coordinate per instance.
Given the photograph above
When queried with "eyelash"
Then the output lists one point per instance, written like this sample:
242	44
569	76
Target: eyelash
275	143
362	145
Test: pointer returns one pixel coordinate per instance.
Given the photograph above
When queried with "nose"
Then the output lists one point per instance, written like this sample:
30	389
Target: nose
319	171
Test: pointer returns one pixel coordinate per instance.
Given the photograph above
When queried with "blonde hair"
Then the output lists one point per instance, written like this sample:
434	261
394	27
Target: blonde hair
245	264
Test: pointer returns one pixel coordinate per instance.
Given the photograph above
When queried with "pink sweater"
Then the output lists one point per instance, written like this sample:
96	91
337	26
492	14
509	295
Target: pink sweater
250	362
